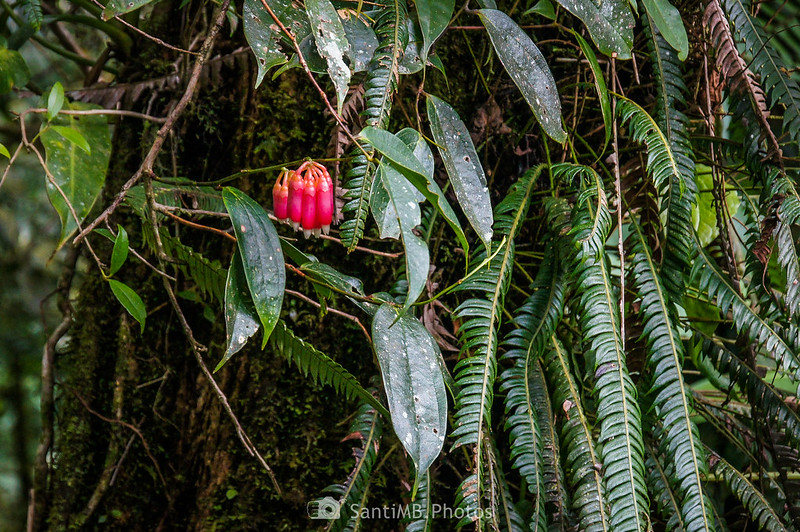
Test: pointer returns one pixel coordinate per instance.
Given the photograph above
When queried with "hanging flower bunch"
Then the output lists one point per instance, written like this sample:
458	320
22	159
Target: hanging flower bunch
304	198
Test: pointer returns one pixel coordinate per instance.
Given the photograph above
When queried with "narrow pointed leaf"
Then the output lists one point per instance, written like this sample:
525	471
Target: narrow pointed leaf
600	85
332	44
528	68
463	166
241	318
55	100
120	251
262	257
413	383
669	23
74	136
130	300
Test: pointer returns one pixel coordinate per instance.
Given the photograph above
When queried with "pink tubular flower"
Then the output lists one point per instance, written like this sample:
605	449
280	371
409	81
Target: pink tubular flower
309	218
324	199
296	187
280	196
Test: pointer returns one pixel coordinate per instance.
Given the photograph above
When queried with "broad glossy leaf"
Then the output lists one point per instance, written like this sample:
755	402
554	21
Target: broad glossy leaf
411	61
361	38
13	70
55	101
74	136
331	44
528	68
350	286
130	300
408	215
262	257
262	32
383	210
78	174
610	23
413	383
670	24
120	251
241	318
463	166
600	85
120	7
433	16
416	164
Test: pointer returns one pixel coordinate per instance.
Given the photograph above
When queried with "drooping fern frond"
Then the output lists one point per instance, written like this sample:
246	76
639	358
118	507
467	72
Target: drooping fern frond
766	62
618	412
379	87
680	443
580	457
536	320
320	366
770	401
751	498
505	516
783	212
752	324
475	373
367	426
658	481
679	193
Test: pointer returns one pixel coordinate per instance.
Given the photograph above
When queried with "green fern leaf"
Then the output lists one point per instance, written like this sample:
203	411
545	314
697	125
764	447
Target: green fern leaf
33	11
367	427
475	374
680	440
320	366
679	191
618	412
582	463
658	481
753	500
380	85
421	509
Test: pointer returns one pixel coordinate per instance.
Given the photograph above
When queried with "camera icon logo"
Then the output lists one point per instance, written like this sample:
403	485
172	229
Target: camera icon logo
324	508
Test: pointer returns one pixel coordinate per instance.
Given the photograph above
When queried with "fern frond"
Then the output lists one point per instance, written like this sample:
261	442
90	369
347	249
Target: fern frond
33	11
367	426
475	373
658	481
320	366
747	321
766	62
590	231
622	448
770	401
680	442
536	320
581	460
783	208
751	498
507	518
679	193
380	85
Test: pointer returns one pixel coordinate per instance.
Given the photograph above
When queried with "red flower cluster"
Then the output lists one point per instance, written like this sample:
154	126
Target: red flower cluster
304	198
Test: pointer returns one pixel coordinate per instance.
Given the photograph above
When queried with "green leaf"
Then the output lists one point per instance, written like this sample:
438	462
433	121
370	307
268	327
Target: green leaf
610	23
13	70
528	68
413	383
241	318
704	213
55	101
262	257
544	8
74	136
670	24
416	164
433	16
120	252
262	33
120	7
463	166
80	175
331	43
130	300
4	151
408	215
600	85
383	210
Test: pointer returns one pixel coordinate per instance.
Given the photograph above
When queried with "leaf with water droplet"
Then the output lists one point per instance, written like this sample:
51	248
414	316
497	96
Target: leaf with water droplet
241	318
413	385
261	253
79	174
610	23
120	7
262	33
433	16
463	166
332	45
528	68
